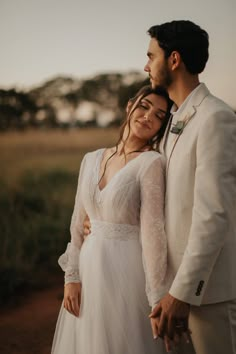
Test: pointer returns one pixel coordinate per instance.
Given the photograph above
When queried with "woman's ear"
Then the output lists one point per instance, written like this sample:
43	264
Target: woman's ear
128	106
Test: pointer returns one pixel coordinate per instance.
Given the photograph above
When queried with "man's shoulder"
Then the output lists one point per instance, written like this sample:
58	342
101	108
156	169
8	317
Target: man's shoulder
214	104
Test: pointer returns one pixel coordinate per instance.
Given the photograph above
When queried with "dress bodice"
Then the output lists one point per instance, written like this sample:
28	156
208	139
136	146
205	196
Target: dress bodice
134	196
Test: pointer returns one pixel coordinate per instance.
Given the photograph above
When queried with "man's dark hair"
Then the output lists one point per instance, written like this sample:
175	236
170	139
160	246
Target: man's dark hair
185	37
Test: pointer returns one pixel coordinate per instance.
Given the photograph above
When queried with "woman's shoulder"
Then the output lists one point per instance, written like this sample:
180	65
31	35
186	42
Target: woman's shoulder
93	155
151	156
152	162
90	158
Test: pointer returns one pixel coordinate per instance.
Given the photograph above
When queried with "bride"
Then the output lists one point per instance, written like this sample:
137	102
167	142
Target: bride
116	274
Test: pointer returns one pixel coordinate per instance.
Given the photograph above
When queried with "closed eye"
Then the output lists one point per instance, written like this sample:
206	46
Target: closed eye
160	116
143	105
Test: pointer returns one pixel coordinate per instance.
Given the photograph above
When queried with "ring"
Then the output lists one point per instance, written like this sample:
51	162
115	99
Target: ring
179	325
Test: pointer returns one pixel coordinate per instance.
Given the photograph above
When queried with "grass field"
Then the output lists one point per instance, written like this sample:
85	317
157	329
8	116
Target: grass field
42	151
39	171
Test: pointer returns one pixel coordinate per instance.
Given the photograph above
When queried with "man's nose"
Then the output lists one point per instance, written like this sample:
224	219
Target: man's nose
146	68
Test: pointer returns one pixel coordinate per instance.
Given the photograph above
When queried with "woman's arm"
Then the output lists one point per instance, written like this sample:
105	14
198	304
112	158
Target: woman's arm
153	238
69	261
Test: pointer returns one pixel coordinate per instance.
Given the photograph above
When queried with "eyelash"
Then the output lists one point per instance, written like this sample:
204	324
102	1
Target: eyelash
159	117
156	115
143	106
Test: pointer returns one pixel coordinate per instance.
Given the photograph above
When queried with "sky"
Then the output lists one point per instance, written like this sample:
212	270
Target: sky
40	40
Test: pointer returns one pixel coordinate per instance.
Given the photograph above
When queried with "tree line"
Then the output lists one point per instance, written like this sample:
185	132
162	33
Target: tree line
39	107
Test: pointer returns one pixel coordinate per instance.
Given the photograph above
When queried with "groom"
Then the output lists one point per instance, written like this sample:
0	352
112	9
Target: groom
200	146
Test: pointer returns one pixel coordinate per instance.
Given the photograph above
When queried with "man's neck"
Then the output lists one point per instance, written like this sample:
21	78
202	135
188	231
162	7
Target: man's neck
181	88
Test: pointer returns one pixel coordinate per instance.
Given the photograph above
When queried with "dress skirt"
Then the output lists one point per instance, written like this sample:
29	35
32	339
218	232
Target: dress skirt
114	307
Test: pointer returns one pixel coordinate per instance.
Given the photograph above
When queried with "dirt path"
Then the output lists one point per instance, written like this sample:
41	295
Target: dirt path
29	328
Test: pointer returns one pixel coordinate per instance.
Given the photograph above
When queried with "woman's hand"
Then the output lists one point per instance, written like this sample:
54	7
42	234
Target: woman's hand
72	298
169	344
87	226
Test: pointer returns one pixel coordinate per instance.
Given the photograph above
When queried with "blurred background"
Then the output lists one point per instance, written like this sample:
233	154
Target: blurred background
67	69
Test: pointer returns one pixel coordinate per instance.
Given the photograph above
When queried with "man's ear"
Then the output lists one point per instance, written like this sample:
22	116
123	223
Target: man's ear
174	60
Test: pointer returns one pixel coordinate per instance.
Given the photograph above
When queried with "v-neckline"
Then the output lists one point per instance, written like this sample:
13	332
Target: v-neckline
117	173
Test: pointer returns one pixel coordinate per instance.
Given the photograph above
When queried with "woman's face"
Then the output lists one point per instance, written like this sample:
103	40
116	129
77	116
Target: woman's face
148	117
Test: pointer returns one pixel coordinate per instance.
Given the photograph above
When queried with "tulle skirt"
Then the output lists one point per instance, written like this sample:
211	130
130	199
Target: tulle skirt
114	308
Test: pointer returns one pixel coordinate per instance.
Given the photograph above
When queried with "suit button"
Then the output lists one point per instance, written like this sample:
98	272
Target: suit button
199	288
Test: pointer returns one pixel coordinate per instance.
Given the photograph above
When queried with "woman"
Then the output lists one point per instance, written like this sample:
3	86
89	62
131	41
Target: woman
112	276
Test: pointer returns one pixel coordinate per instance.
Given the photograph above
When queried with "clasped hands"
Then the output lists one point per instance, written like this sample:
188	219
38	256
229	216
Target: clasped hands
169	321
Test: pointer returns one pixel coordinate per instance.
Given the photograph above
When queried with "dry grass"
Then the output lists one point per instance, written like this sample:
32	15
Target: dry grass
38	179
47	150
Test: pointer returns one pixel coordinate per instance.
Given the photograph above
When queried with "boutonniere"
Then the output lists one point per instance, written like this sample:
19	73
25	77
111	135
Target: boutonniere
178	127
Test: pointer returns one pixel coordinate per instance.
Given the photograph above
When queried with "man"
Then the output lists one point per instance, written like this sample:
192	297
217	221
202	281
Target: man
199	145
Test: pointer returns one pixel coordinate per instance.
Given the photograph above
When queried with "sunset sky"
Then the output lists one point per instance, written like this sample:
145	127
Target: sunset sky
42	39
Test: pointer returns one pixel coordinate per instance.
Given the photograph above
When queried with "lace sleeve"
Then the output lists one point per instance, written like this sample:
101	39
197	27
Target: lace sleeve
153	238
69	261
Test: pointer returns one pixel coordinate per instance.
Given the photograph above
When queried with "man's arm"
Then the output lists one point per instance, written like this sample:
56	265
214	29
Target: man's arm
213	209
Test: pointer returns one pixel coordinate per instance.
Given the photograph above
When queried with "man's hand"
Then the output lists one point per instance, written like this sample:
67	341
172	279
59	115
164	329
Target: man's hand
173	317
72	298
169	345
87	226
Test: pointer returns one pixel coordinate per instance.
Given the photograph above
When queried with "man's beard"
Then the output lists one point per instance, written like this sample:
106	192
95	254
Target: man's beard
164	78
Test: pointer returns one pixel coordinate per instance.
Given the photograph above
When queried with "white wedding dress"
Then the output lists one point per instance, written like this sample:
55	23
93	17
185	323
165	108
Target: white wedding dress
121	264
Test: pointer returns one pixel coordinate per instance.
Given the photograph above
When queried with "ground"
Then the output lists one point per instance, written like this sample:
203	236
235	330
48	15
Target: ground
29	327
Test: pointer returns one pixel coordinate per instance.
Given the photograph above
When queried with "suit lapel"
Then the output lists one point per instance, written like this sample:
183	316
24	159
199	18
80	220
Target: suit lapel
188	113
163	142
185	119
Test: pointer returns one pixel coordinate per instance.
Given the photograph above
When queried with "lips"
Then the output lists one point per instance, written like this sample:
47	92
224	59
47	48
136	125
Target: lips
144	124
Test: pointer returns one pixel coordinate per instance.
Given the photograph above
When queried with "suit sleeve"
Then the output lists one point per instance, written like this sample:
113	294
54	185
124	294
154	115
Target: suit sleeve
213	207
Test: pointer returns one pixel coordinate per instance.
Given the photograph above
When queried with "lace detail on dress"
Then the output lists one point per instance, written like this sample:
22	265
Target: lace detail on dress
69	261
153	238
114	231
131	207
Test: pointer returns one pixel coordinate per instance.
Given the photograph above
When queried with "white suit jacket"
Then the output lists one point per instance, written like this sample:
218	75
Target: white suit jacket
200	207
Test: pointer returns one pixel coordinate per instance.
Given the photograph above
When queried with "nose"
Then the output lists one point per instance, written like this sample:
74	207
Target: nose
147	117
146	68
